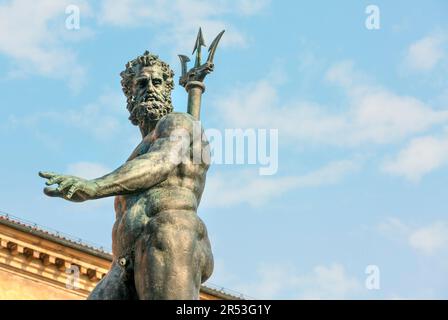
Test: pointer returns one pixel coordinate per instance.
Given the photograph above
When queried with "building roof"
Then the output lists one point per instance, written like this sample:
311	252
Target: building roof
55	236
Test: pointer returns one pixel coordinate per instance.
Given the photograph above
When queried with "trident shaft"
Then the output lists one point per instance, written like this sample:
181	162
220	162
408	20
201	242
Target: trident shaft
193	79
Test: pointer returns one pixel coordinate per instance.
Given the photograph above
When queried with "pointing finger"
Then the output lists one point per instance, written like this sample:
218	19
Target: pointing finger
47	175
54	180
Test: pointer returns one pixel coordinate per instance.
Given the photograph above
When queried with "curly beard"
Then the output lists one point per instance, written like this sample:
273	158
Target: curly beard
150	107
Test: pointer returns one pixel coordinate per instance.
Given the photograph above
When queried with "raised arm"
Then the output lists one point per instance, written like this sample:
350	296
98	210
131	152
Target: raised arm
171	144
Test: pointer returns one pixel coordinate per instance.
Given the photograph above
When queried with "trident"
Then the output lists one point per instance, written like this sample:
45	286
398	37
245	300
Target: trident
193	80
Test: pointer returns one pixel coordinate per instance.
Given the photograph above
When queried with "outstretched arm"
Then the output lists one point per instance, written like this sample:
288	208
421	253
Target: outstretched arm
144	171
170	146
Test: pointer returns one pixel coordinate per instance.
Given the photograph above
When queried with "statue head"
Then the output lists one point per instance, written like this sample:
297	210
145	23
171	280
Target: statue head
147	83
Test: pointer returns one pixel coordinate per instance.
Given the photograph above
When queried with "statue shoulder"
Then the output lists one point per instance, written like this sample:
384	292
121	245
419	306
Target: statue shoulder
176	121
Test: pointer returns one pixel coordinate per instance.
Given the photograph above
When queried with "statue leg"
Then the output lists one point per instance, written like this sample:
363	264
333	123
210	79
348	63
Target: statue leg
173	258
116	285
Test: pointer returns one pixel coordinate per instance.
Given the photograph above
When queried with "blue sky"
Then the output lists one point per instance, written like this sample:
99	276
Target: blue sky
362	119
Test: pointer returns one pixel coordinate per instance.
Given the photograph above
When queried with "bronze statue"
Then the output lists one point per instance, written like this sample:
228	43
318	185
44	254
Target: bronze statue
160	246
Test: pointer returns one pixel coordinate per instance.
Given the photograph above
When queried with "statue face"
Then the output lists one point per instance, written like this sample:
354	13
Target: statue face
148	83
151	95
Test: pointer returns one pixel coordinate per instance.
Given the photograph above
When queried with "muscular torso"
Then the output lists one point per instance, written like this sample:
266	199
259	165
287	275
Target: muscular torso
179	194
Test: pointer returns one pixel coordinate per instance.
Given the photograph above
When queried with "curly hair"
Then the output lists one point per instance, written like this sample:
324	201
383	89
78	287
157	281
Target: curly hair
132	69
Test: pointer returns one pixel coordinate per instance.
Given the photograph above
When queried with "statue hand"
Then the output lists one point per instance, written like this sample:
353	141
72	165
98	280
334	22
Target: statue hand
69	187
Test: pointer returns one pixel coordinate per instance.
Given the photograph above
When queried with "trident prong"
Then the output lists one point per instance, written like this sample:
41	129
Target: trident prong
213	46
184	60
197	47
199	71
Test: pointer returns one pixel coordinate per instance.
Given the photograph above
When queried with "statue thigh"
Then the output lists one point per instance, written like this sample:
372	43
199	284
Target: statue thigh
169	257
116	285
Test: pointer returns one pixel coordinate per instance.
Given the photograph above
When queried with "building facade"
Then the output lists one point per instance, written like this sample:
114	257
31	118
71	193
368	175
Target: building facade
39	265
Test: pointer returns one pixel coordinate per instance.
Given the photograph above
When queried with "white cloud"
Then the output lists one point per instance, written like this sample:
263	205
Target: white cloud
330	282
301	121
31	33
345	75
87	170
421	156
429	240
329	174
231	188
40	42
124	12
373	114
393	227
102	119
426	53
378	115
180	19
250	7
284	282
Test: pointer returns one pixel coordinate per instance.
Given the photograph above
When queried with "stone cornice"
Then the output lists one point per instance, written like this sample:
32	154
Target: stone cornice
49	262
44	234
